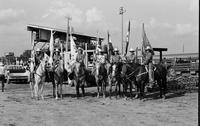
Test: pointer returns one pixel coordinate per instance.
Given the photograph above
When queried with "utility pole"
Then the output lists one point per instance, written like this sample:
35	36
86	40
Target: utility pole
121	12
67	35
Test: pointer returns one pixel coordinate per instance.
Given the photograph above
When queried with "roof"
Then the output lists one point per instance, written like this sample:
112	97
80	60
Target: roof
31	27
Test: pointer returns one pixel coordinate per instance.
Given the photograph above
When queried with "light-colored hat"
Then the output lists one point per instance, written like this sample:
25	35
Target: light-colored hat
115	50
131	50
148	48
100	50
79	48
38	50
57	50
1	64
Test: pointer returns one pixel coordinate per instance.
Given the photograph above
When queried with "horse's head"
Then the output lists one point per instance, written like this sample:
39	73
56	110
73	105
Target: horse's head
77	68
98	65
114	69
43	65
124	70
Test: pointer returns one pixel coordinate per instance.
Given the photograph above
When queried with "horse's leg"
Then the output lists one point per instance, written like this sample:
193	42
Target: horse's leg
32	88
131	87
56	90
61	83
115	89
2	82
36	89
160	87
77	89
142	95
119	86
97	88
83	89
41	89
110	86
164	82
104	88
53	83
123	91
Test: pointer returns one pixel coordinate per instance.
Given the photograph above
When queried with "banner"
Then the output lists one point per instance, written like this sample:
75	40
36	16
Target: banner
73	48
145	41
127	38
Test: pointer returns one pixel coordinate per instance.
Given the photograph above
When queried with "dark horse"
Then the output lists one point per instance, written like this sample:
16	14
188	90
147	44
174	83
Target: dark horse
128	76
114	77
140	75
101	78
79	77
56	75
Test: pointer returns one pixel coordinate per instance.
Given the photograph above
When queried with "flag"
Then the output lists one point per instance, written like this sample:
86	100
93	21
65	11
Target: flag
98	46
73	48
51	47
136	55
145	41
127	38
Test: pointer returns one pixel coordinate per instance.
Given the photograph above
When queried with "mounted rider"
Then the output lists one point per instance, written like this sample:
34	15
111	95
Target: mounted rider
38	57
131	57
116	57
80	57
56	58
148	63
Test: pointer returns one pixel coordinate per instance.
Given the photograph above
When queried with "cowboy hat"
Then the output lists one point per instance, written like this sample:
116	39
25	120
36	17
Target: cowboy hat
115	50
79	48
38	50
57	50
131	50
148	48
1	64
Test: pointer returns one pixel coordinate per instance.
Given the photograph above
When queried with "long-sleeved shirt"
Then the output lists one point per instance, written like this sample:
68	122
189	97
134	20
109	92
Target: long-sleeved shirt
131	58
80	58
148	58
115	59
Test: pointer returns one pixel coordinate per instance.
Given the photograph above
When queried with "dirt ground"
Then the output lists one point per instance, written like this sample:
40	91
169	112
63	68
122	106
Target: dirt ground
18	109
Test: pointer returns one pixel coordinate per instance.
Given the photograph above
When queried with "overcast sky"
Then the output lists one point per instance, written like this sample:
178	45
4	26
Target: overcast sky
168	23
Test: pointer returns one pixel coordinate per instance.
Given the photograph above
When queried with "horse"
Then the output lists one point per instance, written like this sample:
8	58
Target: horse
140	74
101	78
115	77
127	77
58	75
79	75
39	78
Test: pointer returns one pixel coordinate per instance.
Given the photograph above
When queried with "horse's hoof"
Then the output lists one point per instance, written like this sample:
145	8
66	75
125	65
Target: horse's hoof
57	98
136	97
104	96
97	96
164	97
125	98
42	98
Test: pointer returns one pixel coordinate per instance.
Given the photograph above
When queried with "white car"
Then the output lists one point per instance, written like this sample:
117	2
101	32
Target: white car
16	73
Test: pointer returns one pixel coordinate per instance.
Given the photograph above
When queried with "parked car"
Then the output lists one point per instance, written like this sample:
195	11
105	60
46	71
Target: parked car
16	73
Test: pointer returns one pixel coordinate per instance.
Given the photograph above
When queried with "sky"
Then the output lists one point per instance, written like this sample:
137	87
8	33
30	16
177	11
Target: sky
172	24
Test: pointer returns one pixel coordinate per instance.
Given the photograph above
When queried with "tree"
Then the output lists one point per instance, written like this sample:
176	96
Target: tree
25	55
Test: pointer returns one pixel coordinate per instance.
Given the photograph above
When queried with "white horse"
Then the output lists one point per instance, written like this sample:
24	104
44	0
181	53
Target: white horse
39	78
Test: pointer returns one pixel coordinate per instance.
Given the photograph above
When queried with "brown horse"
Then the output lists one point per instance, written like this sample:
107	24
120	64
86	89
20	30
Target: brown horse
79	77
114	77
140	75
101	78
59	78
128	79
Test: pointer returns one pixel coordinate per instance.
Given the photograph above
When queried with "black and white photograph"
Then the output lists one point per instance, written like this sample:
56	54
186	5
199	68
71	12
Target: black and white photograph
99	62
